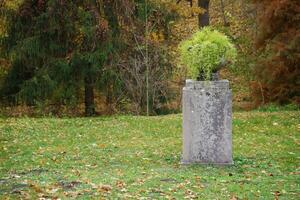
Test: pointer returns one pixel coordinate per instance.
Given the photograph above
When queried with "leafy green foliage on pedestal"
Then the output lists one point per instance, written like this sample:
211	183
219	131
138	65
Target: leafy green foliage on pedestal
207	51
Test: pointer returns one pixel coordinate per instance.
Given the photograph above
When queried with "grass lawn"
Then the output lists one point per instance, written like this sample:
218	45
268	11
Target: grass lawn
127	157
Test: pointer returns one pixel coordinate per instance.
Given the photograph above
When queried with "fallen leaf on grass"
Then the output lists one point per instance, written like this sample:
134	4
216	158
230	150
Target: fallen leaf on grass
72	194
233	198
105	188
101	146
36	188
190	195
120	184
45	197
276	195
52	190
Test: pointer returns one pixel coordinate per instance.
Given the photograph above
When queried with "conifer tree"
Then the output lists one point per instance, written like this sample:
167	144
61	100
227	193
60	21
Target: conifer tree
56	47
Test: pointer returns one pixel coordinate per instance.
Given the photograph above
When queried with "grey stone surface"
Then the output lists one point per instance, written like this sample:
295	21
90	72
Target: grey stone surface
207	122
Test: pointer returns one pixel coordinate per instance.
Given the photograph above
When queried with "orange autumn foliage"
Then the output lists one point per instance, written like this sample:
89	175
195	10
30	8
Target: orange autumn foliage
278	72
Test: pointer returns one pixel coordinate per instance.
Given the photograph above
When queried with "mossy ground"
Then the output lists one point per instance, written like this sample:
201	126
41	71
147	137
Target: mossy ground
128	157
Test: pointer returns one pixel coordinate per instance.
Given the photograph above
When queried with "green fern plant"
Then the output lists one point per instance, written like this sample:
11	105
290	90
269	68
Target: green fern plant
206	52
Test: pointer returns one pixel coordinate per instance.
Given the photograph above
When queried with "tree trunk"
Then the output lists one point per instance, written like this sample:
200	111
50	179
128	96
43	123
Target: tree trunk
112	17
203	19
89	95
109	98
223	13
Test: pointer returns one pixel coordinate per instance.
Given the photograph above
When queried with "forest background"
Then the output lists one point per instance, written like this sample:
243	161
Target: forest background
104	57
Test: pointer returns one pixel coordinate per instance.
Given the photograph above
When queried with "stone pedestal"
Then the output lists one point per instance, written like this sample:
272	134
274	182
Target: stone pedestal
207	122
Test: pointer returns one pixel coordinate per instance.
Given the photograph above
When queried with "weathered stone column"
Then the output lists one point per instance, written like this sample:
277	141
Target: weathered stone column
207	122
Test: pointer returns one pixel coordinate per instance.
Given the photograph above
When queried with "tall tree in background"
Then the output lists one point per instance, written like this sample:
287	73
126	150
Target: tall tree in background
203	19
279	38
145	67
56	47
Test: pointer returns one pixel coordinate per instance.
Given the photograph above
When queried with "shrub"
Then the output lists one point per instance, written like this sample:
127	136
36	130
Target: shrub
206	52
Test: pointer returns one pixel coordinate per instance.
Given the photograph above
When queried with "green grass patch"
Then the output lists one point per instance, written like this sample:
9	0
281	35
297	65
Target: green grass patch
127	157
278	108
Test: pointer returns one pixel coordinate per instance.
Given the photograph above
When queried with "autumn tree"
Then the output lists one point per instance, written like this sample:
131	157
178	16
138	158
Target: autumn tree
278	41
145	68
203	17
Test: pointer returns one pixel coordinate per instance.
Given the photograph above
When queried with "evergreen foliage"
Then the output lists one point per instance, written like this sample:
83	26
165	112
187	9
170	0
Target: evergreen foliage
55	48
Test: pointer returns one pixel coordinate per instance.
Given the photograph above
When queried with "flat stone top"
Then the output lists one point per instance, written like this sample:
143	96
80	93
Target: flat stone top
198	85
